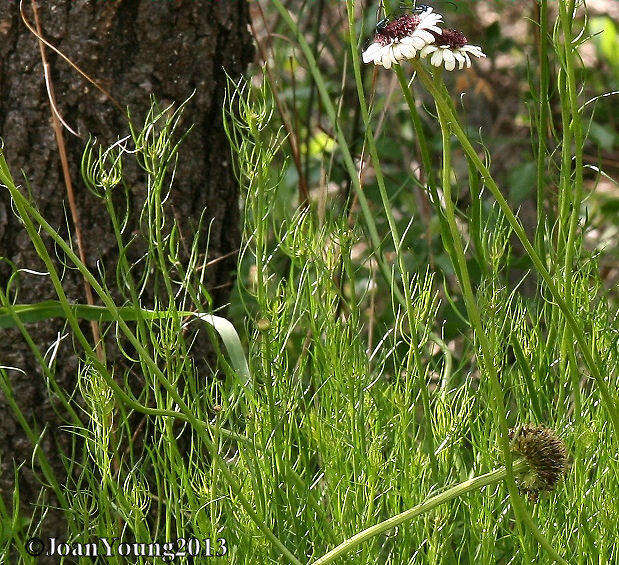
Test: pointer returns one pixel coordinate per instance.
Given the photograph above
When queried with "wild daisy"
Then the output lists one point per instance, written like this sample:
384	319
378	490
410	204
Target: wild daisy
451	46
402	38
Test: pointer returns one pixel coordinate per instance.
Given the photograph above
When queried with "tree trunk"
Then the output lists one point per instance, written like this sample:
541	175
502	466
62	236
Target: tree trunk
133	48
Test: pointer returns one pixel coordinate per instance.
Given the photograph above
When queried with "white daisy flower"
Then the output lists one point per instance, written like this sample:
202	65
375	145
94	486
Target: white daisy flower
402	38
451	47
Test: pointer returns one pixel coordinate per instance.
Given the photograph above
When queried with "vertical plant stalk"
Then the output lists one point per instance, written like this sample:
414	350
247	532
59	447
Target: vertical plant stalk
258	187
422	142
522	515
476	323
62	151
444	229
415	353
441	99
565	16
564	196
428	170
542	128
476	215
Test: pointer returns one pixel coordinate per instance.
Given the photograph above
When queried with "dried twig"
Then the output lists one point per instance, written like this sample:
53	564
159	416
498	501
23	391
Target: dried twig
37	33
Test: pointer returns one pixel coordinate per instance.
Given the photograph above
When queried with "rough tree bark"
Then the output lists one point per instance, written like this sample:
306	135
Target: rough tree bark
134	48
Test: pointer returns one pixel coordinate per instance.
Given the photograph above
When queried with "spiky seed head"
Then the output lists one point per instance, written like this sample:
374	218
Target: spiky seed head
545	453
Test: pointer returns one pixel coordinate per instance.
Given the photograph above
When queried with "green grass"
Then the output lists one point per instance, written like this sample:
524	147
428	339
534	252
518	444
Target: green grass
369	394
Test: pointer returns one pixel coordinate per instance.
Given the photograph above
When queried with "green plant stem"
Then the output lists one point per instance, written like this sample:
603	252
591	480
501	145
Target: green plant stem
476	483
564	197
395	236
542	128
522	515
122	260
577	186
429	173
440	98
471	304
422	142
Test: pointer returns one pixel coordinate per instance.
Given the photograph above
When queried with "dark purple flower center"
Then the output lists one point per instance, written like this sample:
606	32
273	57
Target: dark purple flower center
397	29
451	38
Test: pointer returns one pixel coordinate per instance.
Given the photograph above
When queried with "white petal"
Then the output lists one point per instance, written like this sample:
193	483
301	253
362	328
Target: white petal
419	42
426	35
380	52
468	60
407	40
427	50
409	51
404	50
450	60
387	59
437	58
473	49
377	58
427	18
460	58
371	52
397	51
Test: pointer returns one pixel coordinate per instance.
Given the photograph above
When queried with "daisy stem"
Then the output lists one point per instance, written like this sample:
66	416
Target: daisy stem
542	128
588	352
422	142
476	483
415	353
522	515
487	348
576	126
